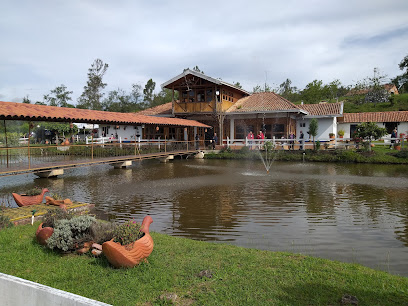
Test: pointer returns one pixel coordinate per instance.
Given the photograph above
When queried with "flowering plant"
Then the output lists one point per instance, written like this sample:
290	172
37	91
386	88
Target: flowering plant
127	232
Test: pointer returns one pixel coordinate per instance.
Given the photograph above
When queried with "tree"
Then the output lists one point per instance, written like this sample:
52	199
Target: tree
163	97
313	92
369	131
148	91
198	69
58	96
377	92
237	84
401	81
26	100
259	88
287	91
91	97
313	128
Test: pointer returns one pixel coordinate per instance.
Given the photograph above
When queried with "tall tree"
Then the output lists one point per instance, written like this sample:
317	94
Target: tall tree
26	100
313	128
59	96
287	91
148	91
163	97
237	84
377	92
91	97
264	88
313	92
401	81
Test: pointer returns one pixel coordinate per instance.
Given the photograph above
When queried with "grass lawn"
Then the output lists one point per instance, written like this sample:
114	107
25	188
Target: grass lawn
240	276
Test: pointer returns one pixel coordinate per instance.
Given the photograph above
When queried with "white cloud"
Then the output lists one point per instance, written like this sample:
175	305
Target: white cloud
48	43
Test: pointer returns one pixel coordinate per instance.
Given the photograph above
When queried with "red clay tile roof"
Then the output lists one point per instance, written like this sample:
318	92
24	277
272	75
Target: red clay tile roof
323	109
33	112
261	102
163	109
397	116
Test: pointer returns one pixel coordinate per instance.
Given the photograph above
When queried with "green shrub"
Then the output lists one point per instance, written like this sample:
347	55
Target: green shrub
226	149
244	150
317	145
5	222
127	233
102	231
68	232
52	216
34	191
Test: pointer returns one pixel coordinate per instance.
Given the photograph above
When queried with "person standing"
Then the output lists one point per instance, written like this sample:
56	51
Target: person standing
197	141
301	139
250	138
393	135
214	140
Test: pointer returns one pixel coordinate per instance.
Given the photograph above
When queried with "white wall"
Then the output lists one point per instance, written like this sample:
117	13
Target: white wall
401	128
125	132
325	126
16	291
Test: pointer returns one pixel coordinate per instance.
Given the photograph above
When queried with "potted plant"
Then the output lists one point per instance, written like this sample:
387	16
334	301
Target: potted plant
331	135
31	197
340	133
129	255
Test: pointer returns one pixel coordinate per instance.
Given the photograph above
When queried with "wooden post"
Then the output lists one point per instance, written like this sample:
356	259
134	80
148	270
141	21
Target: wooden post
29	132
92	135
7	151
165	144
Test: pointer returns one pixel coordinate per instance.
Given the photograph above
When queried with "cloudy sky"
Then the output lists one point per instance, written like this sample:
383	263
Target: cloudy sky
48	43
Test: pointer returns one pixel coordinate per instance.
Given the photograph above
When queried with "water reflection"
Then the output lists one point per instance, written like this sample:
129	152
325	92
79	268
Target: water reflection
356	213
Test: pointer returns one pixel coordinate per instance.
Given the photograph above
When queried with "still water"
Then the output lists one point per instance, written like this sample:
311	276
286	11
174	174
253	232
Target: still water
351	213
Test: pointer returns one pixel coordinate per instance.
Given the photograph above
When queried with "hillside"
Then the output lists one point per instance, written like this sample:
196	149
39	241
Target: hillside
400	104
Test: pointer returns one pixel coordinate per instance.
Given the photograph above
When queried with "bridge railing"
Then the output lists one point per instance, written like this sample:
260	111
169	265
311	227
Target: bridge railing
33	156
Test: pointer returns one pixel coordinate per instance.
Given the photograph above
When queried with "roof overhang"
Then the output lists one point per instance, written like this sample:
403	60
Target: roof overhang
200	75
33	112
295	111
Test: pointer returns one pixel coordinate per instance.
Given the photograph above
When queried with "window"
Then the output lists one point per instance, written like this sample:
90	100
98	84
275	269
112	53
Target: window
184	96
278	128
191	95
209	95
302	124
239	132
200	96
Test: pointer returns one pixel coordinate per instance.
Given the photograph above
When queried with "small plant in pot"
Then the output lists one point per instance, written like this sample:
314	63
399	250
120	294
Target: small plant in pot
31	197
340	133
331	135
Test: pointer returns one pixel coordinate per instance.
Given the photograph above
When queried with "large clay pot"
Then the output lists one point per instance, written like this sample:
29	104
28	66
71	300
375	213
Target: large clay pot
43	233
24	200
128	256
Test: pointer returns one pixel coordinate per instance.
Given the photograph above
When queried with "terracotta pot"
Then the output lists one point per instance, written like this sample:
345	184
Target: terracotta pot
43	233
51	201
24	200
398	148
66	142
128	256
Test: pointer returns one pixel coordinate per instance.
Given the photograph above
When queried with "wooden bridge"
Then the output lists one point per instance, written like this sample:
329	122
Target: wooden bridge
50	160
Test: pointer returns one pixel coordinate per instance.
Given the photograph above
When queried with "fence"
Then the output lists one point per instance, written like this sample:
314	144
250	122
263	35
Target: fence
32	156
302	144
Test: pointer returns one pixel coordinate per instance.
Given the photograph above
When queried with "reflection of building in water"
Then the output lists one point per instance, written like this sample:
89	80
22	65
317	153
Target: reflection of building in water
201	210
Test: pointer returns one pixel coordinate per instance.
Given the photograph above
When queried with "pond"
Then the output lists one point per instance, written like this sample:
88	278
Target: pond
348	212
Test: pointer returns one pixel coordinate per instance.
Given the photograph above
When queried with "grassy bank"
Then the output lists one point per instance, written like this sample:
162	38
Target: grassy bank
239	276
379	155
